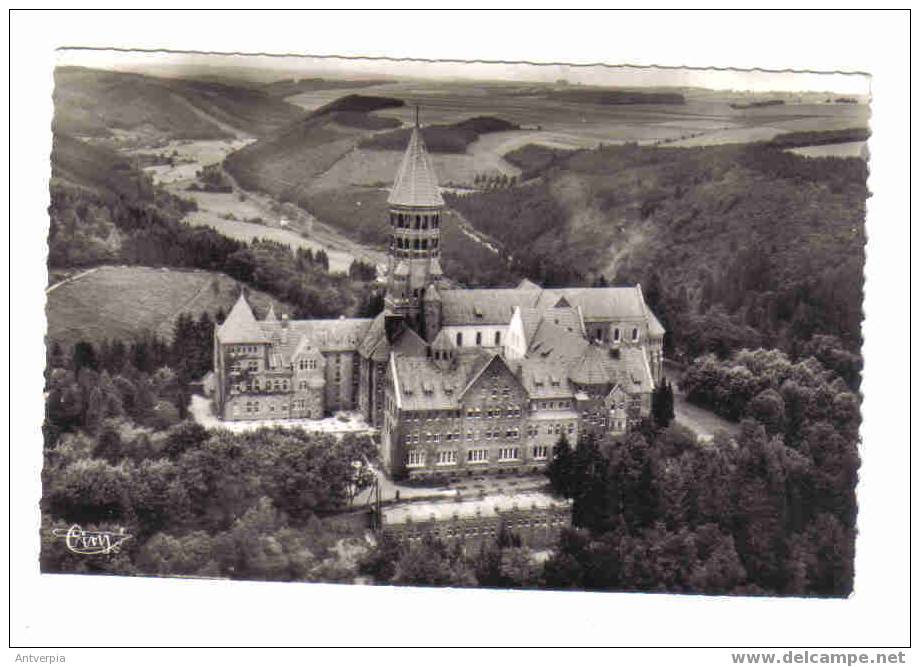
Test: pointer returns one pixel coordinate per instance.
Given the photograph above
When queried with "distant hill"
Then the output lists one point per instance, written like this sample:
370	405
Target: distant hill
606	96
453	138
102	103
126	302
290	87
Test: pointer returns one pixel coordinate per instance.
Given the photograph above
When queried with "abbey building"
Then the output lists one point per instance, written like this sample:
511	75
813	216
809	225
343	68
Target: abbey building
457	380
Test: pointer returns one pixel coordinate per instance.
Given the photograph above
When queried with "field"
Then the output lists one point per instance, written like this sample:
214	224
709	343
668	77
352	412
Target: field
125	302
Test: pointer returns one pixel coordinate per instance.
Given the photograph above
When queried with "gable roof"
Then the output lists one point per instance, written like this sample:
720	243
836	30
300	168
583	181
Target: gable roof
421	385
374	345
416	183
339	335
495	360
598	366
482	306
241	325
598	303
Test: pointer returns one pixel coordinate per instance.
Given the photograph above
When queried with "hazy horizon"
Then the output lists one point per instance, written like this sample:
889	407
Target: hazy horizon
266	67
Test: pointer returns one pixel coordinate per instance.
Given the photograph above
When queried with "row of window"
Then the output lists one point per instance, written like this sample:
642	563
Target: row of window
417	457
308	364
493	413
497	338
238	366
513	433
415	221
270	385
400	243
601	334
242	349
448	531
551	405
255	407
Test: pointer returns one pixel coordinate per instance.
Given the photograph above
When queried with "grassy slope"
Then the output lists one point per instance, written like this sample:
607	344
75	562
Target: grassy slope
285	163
95	102
125	302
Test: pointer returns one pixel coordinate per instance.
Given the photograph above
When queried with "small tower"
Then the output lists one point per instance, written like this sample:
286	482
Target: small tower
415	207
431	312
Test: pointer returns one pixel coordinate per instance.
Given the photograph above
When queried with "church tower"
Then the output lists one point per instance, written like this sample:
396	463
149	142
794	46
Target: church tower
415	207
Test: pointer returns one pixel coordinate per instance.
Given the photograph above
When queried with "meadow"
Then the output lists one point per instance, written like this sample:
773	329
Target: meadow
126	302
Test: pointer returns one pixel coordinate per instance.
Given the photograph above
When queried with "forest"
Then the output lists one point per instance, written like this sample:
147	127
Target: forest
119	450
735	246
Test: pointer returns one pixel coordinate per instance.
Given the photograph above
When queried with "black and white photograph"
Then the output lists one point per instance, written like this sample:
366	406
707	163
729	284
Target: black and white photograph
455	325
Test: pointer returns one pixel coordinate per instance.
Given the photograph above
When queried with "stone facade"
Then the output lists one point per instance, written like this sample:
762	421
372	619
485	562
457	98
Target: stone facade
460	381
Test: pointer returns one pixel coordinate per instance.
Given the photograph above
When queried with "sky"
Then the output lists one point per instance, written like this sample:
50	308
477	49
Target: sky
263	67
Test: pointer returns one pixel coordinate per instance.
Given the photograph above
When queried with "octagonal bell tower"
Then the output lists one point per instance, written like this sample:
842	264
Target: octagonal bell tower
415	209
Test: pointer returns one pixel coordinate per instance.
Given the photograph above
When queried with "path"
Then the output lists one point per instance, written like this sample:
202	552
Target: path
699	420
71	279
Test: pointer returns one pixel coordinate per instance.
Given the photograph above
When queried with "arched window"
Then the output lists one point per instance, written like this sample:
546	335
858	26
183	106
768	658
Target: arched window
635	334
478	338
616	335
459	339
498	337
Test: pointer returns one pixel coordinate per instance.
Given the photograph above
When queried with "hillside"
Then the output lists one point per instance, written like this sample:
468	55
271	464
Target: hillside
734	245
285	163
126	302
102	104
454	138
105	211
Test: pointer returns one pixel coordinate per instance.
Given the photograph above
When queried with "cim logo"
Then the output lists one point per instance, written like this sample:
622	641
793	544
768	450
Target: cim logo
91	542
